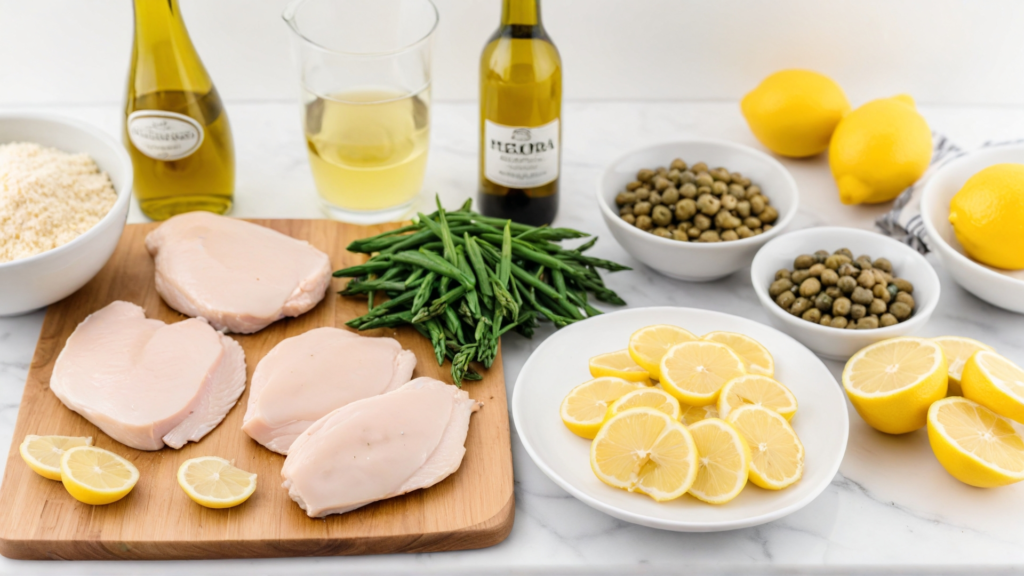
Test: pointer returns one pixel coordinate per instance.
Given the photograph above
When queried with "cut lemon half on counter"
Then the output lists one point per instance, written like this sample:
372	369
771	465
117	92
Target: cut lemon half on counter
755	357
618	365
694	372
776	453
647	398
213	482
648	345
645	450
974	444
96	476
584	409
957	350
996	383
42	453
759	391
893	382
690	415
723	461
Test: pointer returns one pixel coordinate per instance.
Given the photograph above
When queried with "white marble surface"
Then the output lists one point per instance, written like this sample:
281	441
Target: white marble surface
891	509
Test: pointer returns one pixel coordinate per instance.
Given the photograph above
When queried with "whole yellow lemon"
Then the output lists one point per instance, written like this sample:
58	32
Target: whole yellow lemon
793	112
879	149
987	215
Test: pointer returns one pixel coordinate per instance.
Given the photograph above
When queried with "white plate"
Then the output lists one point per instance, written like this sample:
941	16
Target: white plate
560	363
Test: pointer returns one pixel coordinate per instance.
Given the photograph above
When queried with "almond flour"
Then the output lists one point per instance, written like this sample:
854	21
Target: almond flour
48	198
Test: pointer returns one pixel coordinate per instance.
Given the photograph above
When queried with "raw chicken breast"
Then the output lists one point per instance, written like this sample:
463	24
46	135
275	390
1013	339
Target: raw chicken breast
379	447
305	377
239	276
146	383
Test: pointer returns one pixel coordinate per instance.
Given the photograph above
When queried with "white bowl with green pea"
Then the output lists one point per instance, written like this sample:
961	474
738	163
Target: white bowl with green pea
696	209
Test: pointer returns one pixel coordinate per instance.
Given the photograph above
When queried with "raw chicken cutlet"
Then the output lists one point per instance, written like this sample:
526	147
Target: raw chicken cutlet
379	447
146	383
305	377
240	276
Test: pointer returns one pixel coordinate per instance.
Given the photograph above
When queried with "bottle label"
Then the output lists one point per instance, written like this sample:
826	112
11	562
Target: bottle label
163	135
521	157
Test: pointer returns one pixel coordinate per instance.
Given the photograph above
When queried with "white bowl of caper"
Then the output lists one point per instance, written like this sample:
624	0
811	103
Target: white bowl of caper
837	290
696	210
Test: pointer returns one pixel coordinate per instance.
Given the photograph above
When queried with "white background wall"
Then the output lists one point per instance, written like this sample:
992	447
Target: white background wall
940	51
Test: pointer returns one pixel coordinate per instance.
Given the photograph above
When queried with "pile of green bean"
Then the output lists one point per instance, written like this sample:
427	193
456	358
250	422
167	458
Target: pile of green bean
462	280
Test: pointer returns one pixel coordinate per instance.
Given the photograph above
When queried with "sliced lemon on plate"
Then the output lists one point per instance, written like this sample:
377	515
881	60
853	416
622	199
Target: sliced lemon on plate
647	398
974	444
893	382
213	482
723	461
996	383
96	476
648	345
694	372
42	453
584	409
957	350
755	357
645	450
776	453
758	390
690	415
618	365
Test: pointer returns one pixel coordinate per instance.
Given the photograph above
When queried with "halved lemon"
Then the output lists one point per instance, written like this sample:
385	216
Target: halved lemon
648	345
996	383
213	482
618	365
584	409
974	444
755	357
42	453
957	350
694	372
647	398
96	476
893	382
776	453
690	415
758	390
723	461
645	450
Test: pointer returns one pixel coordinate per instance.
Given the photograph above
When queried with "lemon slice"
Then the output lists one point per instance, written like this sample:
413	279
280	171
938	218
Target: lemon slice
974	444
996	383
776	454
213	482
757	390
585	407
690	415
755	357
42	453
644	450
648	345
96	476
618	365
957	350
647	398
893	382
694	372
723	461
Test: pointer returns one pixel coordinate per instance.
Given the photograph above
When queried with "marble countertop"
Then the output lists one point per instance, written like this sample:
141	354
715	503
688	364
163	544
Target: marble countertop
891	508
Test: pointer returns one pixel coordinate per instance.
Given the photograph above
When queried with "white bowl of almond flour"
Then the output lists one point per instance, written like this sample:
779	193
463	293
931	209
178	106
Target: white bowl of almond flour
65	187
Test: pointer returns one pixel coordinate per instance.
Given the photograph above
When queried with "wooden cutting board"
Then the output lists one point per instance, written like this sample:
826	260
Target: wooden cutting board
472	508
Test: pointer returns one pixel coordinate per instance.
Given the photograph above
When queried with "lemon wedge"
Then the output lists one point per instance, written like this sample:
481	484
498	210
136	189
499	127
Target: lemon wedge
645	450
647	398
42	453
648	345
618	365
996	383
584	409
776	453
723	461
974	444
893	382
758	390
213	482
694	372
690	415
957	350
755	357
96	476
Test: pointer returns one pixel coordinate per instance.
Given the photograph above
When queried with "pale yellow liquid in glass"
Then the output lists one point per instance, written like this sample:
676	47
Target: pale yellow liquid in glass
368	147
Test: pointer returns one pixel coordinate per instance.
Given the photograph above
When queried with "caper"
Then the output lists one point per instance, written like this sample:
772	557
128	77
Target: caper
881	277
719	188
810	287
642	193
848	269
729	202
627	209
820	255
845	252
661	183
687	177
839	322
628	218
670	196
642	208
883	264
725	219
673	176
654	198
737	191
864	262
903	285
847	284
893	290
829	277
823	302
743	209
862	296
877	306
887	320
661	232
699	167
753	190
833	292
826	320
752	222
701	222
798	276
644	222
721	174
858	311
701	190
799	306
866	279
693	232
832	262
816	269
661	215
769	215
680	234
704	179
841	307
708	204
757	203
812	315
785	299
744	232
730	235
709	236
685	209
678	164
867	323
905	298
688	190
644	175
633	185
625	198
